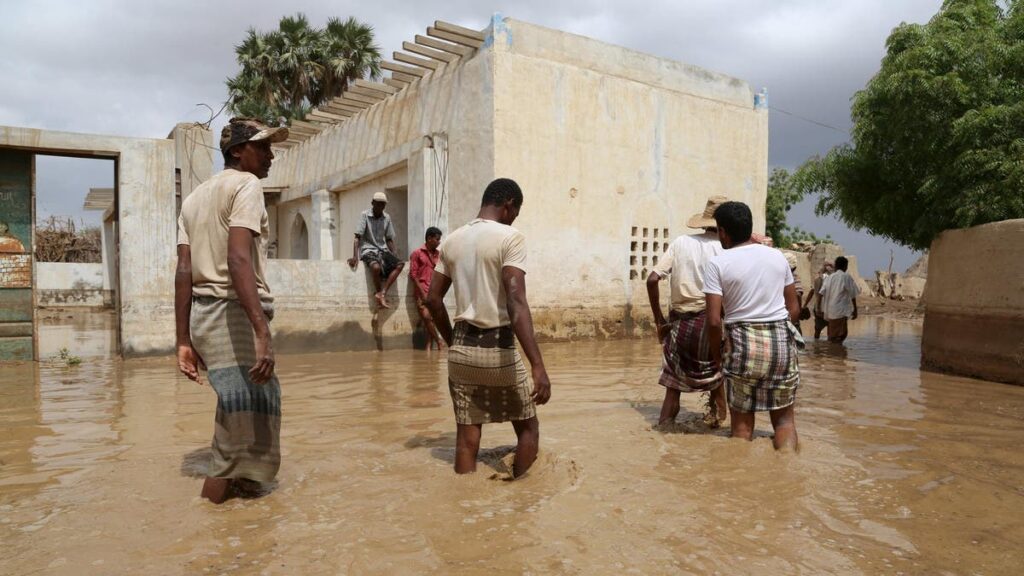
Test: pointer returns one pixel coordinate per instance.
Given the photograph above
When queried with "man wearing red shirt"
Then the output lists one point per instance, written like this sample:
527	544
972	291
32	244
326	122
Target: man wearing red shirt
422	262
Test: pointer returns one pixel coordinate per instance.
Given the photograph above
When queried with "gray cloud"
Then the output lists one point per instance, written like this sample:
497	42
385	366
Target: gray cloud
137	68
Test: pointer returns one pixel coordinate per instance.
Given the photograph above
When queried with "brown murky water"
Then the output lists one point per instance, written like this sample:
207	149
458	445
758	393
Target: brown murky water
900	472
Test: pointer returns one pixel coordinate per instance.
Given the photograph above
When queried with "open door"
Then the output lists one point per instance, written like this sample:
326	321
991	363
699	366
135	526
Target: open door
17	305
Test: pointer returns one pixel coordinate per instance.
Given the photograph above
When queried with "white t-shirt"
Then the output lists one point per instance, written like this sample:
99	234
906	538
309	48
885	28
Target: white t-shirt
838	292
750	280
473	257
685	260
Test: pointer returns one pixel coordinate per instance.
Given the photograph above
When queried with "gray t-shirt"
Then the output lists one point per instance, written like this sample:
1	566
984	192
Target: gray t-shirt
374	232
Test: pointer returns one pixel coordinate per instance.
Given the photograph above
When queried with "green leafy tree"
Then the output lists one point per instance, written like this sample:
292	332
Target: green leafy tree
938	136
286	72
781	198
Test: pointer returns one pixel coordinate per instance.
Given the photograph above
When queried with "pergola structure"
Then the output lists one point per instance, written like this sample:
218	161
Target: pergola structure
444	46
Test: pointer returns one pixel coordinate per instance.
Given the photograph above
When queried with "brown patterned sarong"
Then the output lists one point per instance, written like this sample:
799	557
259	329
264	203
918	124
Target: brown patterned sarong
686	355
246	437
486	376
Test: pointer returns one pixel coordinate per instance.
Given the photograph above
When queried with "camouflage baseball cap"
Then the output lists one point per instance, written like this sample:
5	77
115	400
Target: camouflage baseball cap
242	130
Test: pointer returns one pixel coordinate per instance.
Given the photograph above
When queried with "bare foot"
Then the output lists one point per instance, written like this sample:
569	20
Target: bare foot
216	490
382	300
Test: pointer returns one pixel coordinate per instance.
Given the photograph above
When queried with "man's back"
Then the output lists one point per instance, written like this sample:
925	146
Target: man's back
229	199
750	279
685	260
838	291
473	257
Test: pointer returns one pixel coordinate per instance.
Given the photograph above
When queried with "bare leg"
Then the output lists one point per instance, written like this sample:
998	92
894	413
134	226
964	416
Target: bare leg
742	424
528	433
392	277
669	406
216	489
718	397
467	446
378	294
784	423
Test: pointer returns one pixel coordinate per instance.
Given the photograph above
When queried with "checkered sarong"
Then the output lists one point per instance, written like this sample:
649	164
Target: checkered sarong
246	435
486	376
686	357
761	369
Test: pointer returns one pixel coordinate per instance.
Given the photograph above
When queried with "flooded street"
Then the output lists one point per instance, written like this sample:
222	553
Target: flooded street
900	471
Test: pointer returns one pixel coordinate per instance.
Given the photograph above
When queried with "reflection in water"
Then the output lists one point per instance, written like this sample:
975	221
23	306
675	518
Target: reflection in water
900	471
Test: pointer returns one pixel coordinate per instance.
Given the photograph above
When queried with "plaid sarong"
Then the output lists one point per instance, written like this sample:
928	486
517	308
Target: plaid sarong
246	438
686	357
486	376
761	369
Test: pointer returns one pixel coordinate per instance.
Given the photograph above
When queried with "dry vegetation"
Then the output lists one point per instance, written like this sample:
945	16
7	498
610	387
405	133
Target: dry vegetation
59	240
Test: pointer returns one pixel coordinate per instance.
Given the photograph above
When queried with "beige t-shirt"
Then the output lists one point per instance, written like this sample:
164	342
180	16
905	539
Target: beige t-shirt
685	260
229	199
473	257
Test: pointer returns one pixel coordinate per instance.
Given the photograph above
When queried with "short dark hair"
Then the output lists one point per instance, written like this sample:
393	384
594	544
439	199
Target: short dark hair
737	221
229	160
842	263
501	191
432	232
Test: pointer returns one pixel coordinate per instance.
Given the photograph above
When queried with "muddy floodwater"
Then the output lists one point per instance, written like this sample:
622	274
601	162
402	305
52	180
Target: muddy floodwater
901	471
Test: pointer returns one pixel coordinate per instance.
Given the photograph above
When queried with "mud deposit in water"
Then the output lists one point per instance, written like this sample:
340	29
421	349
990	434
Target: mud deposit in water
901	472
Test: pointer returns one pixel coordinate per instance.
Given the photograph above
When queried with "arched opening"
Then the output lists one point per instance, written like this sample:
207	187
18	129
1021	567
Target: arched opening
300	239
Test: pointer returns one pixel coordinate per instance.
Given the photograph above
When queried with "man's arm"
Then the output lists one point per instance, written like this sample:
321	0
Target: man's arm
854	316
188	359
514	281
792	302
654	295
810	294
439	285
392	249
243	280
713	303
354	260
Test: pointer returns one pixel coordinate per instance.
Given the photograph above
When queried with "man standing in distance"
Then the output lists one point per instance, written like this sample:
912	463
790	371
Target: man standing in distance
375	245
755	286
815	295
486	262
686	357
223	308
839	301
421	267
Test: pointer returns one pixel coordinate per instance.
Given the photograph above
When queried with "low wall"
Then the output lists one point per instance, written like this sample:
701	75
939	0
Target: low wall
71	284
974	305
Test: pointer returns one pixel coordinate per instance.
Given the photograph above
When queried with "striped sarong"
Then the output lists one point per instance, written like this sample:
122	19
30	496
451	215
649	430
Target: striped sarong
246	438
761	369
686	356
486	376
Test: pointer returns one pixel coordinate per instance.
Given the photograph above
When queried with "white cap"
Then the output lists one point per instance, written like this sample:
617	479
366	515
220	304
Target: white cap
380	197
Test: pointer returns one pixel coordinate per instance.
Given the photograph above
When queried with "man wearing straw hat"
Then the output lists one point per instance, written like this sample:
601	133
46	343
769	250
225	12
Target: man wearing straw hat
686	362
223	307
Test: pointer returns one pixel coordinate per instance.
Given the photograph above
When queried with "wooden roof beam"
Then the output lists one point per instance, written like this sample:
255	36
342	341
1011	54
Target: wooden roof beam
444	46
375	86
456	29
375	95
456	38
396	84
406	78
327	116
407	70
340	109
421	62
308	126
429	52
344	100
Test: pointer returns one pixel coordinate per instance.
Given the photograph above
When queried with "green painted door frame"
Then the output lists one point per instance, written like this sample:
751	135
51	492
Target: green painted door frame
17	232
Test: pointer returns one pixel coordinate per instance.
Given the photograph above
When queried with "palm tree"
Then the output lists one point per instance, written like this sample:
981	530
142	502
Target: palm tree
286	72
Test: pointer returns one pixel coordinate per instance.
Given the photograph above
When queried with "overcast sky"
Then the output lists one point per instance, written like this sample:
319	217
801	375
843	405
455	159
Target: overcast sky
138	68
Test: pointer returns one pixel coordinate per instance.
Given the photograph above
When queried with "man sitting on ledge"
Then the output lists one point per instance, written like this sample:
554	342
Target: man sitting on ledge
374	244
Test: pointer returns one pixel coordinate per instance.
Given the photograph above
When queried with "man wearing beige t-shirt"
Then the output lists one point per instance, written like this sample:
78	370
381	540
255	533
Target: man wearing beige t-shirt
686	359
485	260
223	308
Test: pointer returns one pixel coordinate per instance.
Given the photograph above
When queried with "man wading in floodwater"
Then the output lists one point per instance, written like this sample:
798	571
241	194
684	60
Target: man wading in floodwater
486	262
686	361
222	309
756	288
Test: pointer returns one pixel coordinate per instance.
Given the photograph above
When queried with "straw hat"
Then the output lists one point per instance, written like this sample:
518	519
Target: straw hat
706	219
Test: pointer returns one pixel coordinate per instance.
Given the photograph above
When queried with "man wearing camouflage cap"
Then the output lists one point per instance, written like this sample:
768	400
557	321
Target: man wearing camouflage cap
223	308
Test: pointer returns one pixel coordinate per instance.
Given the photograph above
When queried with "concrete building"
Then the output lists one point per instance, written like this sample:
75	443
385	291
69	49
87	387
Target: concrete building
614	149
974	303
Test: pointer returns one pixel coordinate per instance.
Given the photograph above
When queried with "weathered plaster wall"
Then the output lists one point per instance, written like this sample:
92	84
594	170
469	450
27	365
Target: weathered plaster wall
974	304
604	140
71	284
146	225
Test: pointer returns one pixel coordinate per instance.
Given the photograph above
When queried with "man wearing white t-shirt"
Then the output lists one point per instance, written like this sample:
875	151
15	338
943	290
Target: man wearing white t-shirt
839	300
754	286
